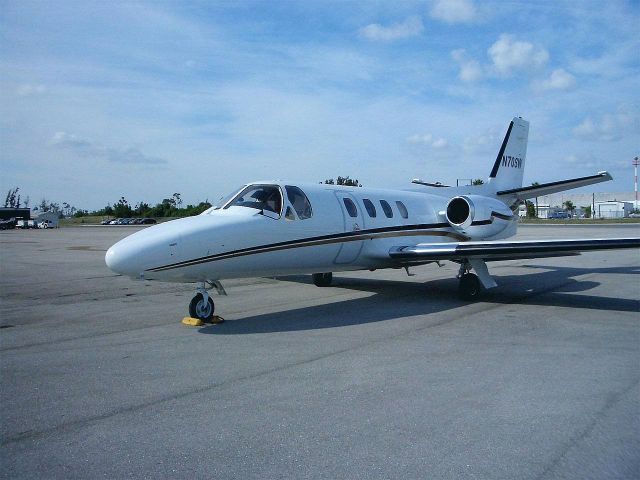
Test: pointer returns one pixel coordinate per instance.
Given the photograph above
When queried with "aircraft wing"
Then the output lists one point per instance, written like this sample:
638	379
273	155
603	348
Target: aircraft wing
505	250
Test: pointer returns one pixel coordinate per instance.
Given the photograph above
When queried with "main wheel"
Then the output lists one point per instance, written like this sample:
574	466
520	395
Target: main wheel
469	287
198	308
322	279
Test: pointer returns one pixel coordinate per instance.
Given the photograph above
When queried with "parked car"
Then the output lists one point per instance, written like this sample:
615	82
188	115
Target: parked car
559	215
8	224
148	221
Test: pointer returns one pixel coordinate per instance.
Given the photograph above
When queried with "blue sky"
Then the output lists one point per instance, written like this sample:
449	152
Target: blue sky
100	100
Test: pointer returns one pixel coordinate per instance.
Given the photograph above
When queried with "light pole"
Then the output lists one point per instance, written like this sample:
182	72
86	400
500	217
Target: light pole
635	163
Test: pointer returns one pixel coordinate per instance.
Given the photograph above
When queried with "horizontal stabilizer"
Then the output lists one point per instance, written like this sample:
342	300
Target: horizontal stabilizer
524	193
428	184
509	250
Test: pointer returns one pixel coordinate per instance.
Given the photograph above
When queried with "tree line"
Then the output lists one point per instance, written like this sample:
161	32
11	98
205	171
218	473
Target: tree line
168	207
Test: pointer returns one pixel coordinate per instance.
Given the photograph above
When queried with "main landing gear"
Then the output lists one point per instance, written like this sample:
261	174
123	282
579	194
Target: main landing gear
471	285
202	306
322	279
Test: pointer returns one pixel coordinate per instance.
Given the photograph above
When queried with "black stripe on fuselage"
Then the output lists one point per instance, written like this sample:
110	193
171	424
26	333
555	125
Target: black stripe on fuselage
501	216
494	170
395	231
490	220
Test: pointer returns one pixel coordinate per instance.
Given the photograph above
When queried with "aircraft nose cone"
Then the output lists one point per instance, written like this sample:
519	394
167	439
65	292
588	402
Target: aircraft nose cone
123	260
115	260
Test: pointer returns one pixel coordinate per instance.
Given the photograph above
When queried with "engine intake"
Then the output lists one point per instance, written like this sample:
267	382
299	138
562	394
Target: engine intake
459	210
477	216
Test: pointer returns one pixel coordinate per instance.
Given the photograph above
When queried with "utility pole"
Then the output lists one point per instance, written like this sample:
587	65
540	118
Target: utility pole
635	164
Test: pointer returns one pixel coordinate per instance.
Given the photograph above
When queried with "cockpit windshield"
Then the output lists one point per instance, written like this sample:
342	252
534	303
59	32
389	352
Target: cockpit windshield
222	201
261	197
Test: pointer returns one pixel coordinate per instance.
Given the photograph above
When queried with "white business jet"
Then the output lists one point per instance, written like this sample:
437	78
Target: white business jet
279	228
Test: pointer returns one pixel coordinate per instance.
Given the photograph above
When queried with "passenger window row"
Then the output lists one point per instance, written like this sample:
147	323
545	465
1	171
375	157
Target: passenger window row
352	210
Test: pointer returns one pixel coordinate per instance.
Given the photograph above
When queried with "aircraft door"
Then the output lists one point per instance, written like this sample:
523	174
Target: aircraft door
353	222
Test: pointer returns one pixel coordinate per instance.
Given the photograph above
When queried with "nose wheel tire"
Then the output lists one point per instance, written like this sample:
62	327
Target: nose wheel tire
322	279
469	287
198	308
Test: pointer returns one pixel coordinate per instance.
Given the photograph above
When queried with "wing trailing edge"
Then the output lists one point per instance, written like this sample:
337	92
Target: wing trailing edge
511	250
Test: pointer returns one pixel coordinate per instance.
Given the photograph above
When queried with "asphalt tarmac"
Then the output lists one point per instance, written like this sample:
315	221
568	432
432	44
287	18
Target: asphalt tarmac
379	376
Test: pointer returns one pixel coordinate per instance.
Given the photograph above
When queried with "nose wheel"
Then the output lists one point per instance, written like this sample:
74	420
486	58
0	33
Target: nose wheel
201	308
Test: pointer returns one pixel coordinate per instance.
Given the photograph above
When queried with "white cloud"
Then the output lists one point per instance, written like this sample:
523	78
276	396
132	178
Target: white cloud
509	55
559	79
591	161
68	140
609	127
29	89
454	11
87	149
411	27
482	143
470	70
428	140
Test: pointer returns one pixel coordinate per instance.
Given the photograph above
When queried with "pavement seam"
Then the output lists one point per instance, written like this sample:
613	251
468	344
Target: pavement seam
613	400
70	426
129	330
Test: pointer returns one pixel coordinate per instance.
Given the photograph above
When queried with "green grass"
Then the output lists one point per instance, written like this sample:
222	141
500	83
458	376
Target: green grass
90	220
96	219
578	221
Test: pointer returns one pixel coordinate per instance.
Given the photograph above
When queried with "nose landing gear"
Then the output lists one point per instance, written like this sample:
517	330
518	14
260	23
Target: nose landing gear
202	306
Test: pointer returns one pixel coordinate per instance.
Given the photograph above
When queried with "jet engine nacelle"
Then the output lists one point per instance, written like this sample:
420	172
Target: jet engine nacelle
478	216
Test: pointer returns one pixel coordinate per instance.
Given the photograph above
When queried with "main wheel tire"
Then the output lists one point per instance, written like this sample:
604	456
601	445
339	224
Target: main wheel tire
469	287
201	310
322	279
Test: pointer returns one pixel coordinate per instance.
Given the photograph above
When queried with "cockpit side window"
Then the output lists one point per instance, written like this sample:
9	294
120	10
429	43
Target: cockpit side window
299	201
260	197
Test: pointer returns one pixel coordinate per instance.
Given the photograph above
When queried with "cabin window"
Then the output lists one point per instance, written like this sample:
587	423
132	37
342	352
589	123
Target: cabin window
386	208
300	202
351	207
404	213
371	209
260	197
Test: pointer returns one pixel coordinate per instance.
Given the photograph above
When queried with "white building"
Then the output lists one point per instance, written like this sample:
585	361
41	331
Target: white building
613	209
544	211
51	219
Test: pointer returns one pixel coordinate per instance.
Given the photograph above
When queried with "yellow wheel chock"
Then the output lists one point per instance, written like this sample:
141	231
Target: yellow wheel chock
196	322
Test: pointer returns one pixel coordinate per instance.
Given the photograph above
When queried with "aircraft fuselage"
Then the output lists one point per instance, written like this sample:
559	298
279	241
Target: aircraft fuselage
349	228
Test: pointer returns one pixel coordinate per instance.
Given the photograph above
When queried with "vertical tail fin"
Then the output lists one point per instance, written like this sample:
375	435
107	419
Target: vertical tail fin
508	168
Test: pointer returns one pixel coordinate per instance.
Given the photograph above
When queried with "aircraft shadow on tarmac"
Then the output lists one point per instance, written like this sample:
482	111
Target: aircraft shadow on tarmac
552	286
